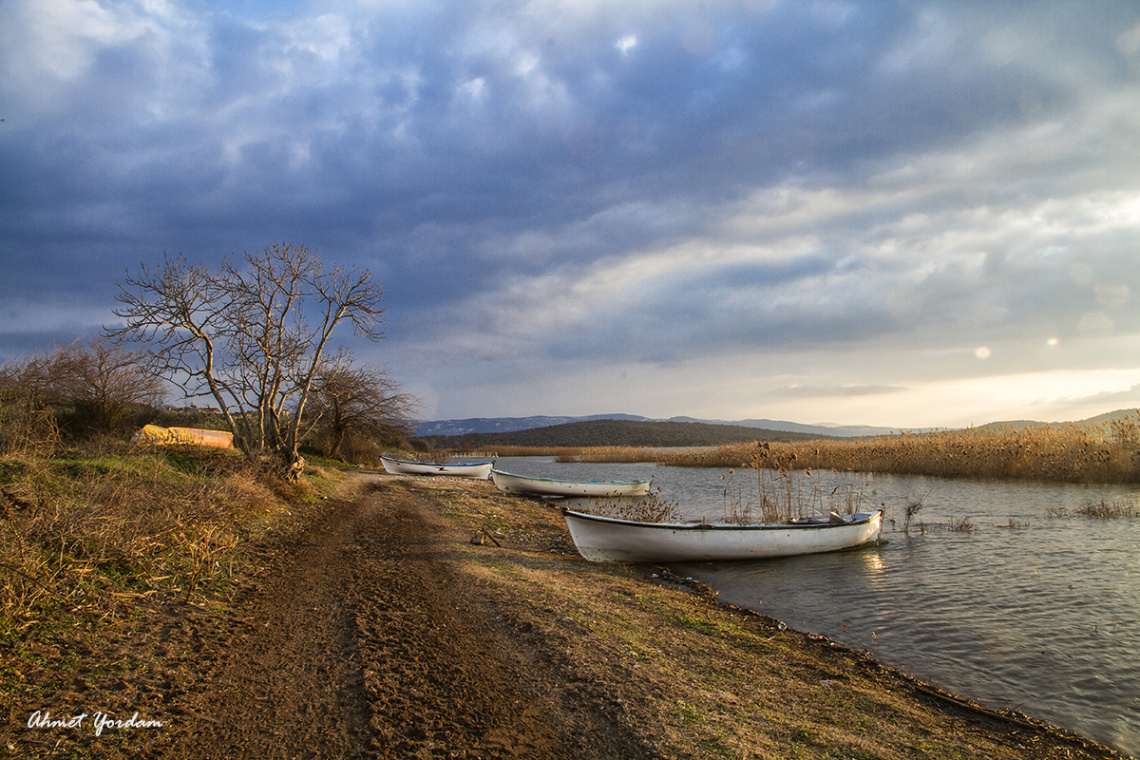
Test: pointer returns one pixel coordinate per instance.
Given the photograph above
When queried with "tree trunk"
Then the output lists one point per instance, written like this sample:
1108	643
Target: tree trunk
291	465
336	441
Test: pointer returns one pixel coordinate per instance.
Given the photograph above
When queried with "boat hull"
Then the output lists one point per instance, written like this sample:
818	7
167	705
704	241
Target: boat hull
509	483
181	436
478	470
605	539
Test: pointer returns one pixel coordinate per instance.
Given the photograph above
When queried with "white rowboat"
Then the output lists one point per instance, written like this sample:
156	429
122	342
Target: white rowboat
480	470
607	539
508	483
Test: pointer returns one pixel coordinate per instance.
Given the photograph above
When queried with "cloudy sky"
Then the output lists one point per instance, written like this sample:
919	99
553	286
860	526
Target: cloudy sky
907	214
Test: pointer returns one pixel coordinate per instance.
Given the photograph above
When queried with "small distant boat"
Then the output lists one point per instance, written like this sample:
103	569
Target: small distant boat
480	470
509	483
608	539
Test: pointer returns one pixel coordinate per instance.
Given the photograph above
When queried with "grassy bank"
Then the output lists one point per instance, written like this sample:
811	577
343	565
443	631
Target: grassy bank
703	679
120	569
1073	453
116	565
89	535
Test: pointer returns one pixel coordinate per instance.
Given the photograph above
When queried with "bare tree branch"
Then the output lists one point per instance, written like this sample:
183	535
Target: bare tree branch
244	336
350	399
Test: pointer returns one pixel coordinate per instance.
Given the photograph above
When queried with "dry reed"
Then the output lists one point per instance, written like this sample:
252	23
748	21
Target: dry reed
1071	453
1100	508
652	508
781	494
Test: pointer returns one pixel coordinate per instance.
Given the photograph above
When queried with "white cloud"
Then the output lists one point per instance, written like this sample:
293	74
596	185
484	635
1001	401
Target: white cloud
1128	42
48	41
581	198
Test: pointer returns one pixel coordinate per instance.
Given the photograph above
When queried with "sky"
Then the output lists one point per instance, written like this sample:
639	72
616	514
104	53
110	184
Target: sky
903	214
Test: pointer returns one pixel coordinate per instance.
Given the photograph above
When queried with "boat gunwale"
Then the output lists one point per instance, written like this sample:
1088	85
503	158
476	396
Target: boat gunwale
573	482
437	464
866	518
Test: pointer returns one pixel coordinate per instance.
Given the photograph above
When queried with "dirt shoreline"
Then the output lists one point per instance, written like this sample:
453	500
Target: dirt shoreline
437	618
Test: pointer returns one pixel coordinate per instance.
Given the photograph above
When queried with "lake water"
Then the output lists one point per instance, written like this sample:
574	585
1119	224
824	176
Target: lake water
1026	610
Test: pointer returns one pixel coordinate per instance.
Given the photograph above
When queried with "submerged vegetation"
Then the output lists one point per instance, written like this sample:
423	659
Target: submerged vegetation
1100	508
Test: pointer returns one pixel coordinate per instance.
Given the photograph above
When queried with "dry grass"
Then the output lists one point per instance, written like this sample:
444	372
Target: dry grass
1074	453
93	535
653	508
699	679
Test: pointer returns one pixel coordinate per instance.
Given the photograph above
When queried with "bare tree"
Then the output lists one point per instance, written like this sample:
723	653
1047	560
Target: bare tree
251	338
104	382
351	399
27	418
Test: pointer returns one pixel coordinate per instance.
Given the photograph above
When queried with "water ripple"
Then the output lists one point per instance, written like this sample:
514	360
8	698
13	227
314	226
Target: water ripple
1029	611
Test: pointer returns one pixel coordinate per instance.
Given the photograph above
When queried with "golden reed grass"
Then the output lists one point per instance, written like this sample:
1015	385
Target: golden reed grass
1071	453
86	535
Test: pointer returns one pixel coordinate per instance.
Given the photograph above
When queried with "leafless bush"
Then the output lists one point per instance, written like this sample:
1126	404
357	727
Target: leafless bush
25	426
960	525
910	509
94	388
353	405
1098	508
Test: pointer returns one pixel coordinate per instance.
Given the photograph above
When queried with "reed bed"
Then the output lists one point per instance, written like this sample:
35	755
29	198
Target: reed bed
749	497
98	535
1098	508
768	496
1071	453
653	508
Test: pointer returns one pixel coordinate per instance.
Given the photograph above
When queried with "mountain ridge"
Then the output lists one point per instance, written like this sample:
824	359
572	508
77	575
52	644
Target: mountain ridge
611	432
485	425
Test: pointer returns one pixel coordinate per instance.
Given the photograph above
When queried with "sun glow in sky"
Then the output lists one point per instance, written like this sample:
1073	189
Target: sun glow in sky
909	215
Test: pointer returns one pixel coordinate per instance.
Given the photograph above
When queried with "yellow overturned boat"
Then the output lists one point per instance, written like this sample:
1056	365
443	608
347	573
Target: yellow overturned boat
182	436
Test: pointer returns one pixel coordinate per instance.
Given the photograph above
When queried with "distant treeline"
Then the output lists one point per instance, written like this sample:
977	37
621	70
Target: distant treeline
619	433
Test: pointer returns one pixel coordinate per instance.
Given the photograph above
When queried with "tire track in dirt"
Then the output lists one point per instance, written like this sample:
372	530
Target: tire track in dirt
286	681
425	698
446	675
365	644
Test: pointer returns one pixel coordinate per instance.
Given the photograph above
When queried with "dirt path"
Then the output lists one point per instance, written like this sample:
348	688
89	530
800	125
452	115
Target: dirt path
364	647
380	632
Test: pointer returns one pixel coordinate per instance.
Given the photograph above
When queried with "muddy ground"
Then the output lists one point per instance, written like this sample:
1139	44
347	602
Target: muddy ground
437	618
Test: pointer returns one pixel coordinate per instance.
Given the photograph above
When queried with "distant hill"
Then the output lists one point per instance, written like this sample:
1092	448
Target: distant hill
505	424
1100	419
830	431
615	432
476	425
633	430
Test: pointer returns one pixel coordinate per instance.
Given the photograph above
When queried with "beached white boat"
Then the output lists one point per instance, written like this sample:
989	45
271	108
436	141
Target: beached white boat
480	470
509	483
607	539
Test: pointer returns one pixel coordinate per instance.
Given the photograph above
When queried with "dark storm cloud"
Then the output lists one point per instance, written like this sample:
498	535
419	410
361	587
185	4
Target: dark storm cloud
581	183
